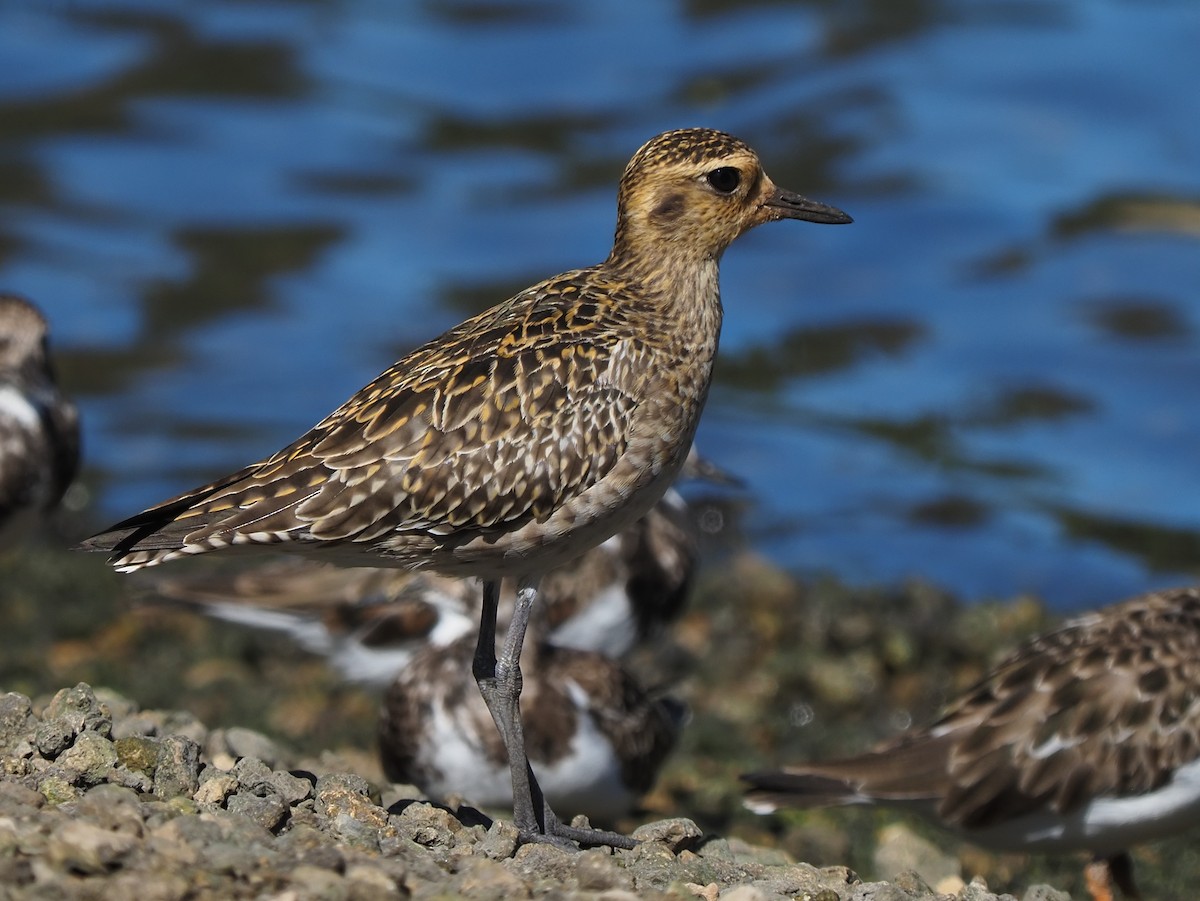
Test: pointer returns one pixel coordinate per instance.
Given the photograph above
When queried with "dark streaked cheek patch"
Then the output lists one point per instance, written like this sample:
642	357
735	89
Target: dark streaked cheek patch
668	210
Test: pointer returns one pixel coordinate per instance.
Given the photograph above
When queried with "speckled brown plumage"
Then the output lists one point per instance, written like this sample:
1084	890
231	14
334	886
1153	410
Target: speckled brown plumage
522	437
1104	709
39	428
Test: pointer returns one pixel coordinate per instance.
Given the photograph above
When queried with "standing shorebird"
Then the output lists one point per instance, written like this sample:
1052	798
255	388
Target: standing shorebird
1085	739
520	438
39	429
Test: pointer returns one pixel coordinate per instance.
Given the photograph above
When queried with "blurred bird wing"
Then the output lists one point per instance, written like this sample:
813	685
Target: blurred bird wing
1104	706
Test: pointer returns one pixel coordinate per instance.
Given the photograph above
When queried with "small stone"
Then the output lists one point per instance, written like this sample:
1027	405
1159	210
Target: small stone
251	772
119	706
16	722
70	712
178	768
596	871
263	805
341	783
711	891
90	759
542	861
882	891
794	880
911	882
677	833
293	788
247	743
487	880
88	849
181	804
501	840
57	790
17	800
344	808
367	875
112	796
316	882
743	893
138	753
429	826
216	788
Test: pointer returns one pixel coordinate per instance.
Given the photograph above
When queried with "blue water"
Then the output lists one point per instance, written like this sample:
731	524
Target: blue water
236	213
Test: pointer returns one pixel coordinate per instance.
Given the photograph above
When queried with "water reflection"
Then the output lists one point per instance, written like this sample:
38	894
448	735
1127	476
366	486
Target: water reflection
236	214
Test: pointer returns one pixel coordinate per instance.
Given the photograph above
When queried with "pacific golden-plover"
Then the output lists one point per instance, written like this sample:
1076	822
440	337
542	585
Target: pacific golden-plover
520	438
39	428
1085	739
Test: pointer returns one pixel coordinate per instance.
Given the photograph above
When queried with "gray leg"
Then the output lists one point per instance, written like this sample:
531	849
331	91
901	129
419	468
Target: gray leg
500	684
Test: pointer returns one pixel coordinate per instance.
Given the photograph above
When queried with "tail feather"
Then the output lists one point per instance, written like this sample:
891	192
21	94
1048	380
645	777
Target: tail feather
770	790
149	536
902	773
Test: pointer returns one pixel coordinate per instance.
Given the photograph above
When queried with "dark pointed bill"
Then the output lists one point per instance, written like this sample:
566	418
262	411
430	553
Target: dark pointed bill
794	206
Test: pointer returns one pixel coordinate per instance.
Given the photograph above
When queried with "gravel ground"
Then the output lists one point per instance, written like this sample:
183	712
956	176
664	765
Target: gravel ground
99	799
774	668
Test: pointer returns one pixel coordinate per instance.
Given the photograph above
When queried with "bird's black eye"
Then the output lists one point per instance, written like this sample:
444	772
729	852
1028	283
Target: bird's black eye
724	180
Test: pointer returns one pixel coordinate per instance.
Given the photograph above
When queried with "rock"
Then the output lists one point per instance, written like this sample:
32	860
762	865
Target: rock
294	788
501	840
743	893
596	871
84	848
57	790
344	806
241	743
795	880
263	804
428	826
260	831
178	769
487	880
91	759
17	800
138	753
70	712
215	787
677	833
16	722
541	863
251	772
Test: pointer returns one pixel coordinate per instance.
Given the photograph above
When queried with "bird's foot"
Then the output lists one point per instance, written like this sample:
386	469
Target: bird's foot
575	838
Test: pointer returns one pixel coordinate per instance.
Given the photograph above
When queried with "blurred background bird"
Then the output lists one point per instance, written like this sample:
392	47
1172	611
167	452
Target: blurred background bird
39	427
1086	738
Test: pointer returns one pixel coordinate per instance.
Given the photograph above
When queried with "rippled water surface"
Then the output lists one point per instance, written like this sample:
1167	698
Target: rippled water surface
237	213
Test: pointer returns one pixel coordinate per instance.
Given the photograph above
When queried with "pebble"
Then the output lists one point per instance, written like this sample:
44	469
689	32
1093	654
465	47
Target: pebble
76	823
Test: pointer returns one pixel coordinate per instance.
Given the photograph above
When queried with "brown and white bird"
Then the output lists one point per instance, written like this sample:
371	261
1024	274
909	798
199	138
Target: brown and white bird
1085	739
39	428
594	736
520	438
